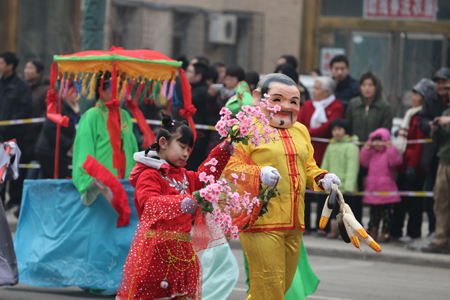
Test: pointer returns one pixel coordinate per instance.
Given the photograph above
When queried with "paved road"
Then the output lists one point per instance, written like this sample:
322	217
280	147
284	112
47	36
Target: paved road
341	279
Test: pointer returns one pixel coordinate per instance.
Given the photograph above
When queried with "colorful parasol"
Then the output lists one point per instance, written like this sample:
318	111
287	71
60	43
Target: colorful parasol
136	75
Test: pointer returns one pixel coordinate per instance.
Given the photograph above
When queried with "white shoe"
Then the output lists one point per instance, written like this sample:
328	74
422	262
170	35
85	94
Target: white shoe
405	239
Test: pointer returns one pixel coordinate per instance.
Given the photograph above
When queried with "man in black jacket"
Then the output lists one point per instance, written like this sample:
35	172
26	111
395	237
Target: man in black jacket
435	102
15	103
347	87
196	75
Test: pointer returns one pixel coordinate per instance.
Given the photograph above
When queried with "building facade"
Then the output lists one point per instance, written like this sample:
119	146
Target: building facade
401	41
263	30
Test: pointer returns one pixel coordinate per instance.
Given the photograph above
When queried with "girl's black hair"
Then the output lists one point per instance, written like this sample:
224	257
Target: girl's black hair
341	123
106	79
169	129
236	71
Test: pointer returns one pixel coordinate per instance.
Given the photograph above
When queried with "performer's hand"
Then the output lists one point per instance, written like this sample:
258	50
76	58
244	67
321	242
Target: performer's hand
13	146
189	206
228	146
269	176
328	181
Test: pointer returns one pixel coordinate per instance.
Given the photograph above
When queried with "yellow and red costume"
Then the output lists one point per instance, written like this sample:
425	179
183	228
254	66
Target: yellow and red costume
272	245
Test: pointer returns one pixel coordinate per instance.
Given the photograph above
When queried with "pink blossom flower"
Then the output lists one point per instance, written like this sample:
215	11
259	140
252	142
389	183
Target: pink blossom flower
243	176
203	193
223	133
243	130
240	115
202	176
247	109
235	176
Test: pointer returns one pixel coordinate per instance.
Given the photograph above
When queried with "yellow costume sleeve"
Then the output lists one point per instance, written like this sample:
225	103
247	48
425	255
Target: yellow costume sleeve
241	163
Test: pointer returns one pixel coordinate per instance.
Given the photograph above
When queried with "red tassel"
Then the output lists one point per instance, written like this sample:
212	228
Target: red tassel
119	200
114	82
52	114
113	125
138	91
53	76
149	137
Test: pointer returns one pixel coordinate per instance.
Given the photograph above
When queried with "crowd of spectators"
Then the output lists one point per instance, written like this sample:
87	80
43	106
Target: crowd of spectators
407	165
350	113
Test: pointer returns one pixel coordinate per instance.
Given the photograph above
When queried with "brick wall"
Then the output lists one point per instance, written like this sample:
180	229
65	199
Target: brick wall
274	28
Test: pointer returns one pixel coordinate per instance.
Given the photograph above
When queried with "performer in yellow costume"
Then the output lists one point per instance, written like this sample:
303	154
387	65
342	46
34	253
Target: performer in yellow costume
272	245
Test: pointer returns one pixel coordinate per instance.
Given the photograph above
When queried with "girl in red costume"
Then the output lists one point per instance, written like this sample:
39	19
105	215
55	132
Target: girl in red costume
162	262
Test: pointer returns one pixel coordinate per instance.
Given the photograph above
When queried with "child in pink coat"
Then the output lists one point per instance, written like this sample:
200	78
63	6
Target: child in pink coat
381	159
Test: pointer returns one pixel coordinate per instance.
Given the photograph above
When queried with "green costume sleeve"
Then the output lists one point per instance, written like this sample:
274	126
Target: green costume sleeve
84	144
242	98
93	138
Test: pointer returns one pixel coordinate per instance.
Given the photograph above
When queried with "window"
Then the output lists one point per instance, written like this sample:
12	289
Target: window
342	8
181	24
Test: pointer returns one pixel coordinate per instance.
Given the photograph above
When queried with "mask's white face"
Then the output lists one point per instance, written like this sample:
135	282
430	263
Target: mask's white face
287	97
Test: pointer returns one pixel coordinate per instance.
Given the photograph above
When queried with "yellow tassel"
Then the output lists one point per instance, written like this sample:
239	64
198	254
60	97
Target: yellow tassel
92	86
84	87
122	90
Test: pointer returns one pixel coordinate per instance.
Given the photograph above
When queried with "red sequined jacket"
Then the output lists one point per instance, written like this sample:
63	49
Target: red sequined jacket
161	187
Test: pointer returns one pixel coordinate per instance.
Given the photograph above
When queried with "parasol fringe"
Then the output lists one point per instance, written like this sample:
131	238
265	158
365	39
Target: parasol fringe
175	100
164	89
144	94
84	84
171	88
138	91
92	85
135	85
122	89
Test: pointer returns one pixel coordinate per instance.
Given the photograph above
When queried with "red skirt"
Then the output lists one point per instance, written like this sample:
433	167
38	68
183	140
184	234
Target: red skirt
157	257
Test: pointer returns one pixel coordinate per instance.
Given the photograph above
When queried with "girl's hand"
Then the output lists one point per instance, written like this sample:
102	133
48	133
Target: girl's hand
367	145
228	146
189	206
388	144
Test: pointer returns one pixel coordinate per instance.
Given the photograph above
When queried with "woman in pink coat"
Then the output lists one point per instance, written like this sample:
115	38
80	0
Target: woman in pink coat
381	159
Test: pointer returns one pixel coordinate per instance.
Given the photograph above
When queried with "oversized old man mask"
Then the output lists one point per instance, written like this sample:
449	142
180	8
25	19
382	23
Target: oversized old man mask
283	92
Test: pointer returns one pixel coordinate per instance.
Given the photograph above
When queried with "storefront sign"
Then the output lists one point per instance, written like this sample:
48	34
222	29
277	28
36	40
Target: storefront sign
326	55
420	10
